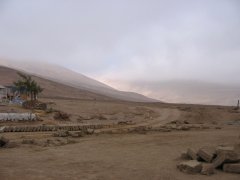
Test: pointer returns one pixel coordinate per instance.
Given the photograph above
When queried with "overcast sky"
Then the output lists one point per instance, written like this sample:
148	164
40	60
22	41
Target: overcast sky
127	40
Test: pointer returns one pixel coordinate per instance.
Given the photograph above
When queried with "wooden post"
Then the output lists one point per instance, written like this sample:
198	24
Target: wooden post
238	105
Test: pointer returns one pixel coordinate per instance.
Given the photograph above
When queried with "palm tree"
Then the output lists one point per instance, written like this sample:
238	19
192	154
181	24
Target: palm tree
23	84
35	90
27	85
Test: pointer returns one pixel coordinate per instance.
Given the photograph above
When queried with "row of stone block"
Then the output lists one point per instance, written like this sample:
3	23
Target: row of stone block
51	128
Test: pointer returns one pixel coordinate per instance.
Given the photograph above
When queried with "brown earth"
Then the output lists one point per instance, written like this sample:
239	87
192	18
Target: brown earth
117	153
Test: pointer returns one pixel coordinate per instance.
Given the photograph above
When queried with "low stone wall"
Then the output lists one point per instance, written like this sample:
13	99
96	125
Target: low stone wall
42	128
17	117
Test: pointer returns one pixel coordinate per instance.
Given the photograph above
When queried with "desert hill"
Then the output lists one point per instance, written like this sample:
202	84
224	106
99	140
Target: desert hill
61	82
51	89
73	79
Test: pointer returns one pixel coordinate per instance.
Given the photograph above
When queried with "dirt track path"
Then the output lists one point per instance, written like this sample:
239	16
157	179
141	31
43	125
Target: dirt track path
166	116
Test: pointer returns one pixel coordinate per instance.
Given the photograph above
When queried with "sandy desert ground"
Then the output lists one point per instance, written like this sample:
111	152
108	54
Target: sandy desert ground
145	141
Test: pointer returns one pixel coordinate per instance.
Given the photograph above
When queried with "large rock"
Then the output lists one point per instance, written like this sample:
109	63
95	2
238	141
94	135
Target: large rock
190	167
207	153
225	157
207	169
232	168
3	141
222	149
192	154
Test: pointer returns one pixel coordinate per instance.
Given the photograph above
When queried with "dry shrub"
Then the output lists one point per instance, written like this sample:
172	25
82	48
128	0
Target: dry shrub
62	116
34	105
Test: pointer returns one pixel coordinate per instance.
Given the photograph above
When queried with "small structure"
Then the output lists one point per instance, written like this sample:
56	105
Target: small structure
8	93
17	117
3	92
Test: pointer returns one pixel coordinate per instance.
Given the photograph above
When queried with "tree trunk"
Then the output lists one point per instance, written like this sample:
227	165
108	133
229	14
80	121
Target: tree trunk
31	96
35	96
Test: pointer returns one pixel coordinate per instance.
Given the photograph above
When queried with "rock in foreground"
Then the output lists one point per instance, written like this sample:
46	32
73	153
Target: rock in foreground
207	153
225	157
190	167
232	168
207	169
3	141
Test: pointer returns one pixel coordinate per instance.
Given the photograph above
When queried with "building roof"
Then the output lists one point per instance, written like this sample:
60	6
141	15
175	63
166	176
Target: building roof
2	87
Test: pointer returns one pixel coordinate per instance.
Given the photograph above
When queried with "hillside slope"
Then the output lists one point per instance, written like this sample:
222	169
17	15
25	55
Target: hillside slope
65	76
51	89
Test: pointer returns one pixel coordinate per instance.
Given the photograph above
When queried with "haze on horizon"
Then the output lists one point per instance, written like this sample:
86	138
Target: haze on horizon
127	43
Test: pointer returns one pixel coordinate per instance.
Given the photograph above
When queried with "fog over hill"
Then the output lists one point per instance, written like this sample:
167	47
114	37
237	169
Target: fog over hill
73	79
184	91
173	91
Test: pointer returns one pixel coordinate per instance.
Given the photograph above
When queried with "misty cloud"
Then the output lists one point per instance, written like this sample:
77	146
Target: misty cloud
127	40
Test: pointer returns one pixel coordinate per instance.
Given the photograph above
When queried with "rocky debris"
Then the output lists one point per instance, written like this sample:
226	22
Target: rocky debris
184	126
225	157
76	134
207	153
192	154
210	158
190	167
61	133
62	116
232	168
141	129
66	133
207	169
161	129
3	141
